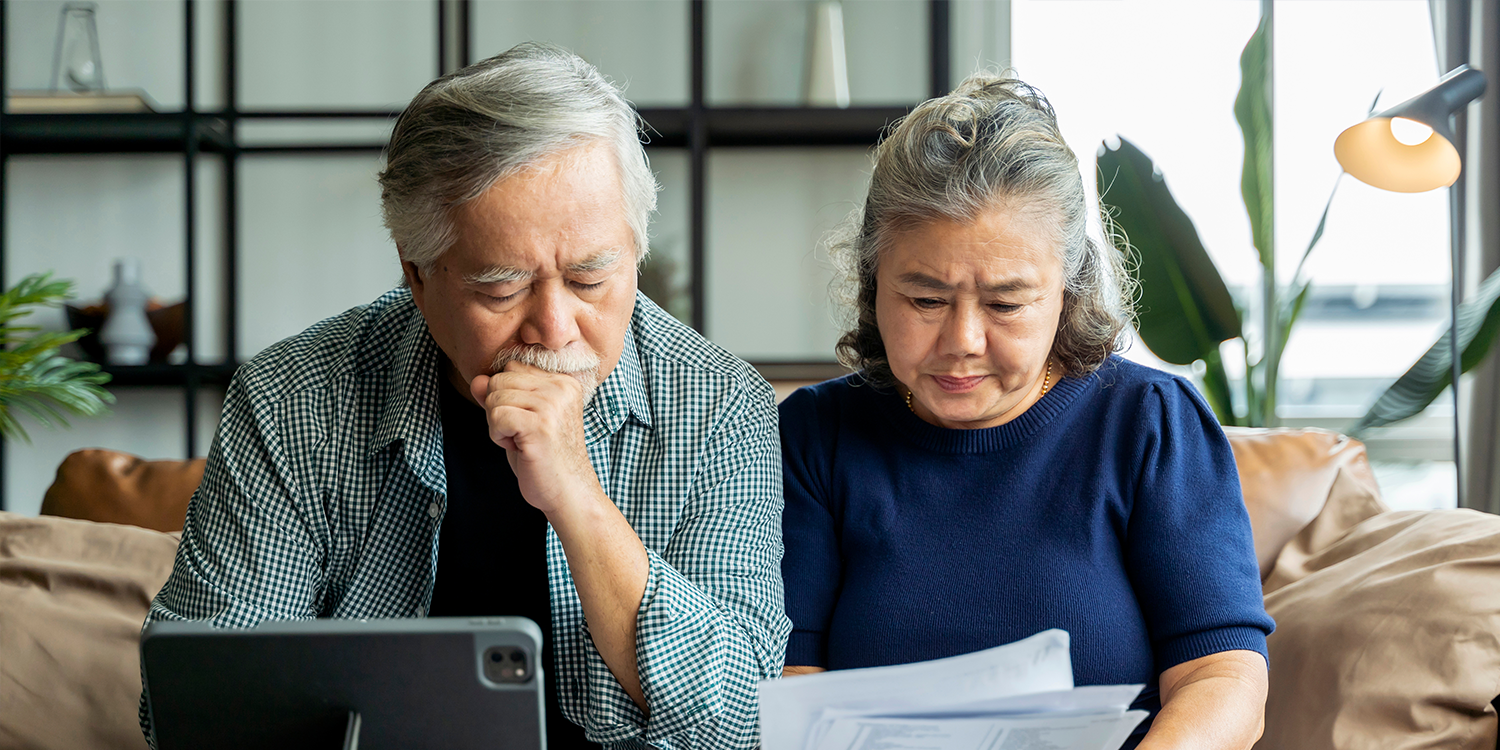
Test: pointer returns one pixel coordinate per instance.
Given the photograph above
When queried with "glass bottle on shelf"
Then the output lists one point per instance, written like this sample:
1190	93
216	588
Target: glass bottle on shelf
76	60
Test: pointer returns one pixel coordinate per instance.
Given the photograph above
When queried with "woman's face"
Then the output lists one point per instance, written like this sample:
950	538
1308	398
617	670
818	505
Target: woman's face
968	312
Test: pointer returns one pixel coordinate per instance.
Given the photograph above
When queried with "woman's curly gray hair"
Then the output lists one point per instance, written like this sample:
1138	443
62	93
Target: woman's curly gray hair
993	142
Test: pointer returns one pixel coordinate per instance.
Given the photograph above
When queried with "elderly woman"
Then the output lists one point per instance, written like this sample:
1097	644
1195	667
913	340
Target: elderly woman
993	468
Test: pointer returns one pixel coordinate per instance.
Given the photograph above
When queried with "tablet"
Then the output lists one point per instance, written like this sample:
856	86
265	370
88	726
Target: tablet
449	682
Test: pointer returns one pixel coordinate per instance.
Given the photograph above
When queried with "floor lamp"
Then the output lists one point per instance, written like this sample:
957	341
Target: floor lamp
1410	148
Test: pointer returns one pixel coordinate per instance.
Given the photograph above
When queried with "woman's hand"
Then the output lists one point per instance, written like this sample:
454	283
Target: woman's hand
794	671
1216	702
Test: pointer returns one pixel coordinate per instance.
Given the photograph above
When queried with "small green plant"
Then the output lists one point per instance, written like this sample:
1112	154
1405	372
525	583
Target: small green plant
34	377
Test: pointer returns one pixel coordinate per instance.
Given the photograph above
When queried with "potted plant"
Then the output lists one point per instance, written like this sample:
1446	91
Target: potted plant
35	378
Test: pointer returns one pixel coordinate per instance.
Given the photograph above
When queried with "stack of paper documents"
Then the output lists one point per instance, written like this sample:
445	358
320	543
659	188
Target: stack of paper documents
1014	697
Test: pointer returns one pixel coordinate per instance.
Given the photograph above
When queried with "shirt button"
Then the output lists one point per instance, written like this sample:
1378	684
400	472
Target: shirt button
432	510
421	611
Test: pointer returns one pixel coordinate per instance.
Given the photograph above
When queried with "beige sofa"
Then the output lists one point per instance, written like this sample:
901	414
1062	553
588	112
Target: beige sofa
1388	629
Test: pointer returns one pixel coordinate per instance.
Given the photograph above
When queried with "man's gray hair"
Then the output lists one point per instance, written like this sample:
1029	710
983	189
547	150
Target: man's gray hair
473	127
992	143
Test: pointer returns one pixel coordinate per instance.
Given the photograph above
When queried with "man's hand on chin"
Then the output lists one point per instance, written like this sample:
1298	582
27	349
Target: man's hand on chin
537	417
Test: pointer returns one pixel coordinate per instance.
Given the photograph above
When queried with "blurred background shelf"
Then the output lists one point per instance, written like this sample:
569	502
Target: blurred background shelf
799	126
169	375
160	132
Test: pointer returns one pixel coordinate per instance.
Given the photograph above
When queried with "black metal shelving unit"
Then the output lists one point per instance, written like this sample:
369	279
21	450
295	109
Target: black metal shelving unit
696	128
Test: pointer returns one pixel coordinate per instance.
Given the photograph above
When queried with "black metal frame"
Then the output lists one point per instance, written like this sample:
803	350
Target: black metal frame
192	132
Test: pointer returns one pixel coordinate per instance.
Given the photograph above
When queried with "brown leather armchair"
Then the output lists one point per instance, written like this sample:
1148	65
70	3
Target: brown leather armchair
113	487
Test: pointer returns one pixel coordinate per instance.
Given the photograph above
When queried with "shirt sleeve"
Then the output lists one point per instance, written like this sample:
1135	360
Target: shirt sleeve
1189	551
245	555
811	567
711	624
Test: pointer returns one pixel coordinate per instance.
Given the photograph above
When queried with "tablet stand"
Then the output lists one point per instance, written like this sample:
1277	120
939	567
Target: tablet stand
351	731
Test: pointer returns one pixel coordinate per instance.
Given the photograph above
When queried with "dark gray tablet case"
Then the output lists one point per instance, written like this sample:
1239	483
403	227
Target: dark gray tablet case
436	682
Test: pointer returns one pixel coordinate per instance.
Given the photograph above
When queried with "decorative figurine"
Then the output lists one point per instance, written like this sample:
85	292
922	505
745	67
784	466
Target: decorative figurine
127	334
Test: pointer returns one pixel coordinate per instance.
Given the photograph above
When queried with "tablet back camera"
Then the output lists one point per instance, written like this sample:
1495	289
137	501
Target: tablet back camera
507	664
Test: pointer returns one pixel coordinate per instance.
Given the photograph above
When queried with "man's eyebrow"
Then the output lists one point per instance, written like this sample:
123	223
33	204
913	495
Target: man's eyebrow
598	262
918	279
509	274
497	275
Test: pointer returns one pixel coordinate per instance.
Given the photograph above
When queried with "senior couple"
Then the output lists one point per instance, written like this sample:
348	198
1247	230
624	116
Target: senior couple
517	418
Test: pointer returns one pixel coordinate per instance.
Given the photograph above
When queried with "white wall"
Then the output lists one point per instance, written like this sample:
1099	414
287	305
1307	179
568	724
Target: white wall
757	51
641	44
767	278
352	54
311	243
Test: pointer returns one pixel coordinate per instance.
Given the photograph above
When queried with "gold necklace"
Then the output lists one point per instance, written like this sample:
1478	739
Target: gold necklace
1046	386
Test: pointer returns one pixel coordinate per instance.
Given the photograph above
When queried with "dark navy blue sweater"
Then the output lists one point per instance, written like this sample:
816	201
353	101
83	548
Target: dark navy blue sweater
1111	509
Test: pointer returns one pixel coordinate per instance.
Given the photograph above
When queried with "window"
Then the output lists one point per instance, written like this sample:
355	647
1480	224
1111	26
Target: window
1165	75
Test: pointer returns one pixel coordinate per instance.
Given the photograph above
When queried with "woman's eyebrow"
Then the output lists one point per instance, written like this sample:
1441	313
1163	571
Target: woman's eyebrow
919	279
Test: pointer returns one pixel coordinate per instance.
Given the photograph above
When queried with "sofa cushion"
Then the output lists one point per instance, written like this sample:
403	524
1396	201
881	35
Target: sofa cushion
113	487
73	595
1353	498
1287	476
1387	632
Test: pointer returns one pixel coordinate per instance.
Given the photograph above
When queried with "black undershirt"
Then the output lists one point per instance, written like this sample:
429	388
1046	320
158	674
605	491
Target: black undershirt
492	547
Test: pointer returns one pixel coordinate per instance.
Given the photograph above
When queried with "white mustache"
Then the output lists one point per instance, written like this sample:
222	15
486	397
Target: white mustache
579	363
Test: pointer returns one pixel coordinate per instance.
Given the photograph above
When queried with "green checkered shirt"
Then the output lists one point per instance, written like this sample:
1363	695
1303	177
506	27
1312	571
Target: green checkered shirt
325	490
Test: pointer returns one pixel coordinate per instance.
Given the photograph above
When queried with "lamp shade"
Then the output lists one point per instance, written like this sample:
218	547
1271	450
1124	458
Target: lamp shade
1371	152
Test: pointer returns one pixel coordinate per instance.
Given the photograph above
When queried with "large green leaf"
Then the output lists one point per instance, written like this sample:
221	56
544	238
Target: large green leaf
1185	310
1216	389
1252	110
1478	321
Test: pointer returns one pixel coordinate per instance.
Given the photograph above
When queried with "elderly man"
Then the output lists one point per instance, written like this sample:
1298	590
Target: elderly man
517	431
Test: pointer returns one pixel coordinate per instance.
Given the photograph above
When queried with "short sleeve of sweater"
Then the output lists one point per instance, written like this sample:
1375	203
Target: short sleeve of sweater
810	569
1189	551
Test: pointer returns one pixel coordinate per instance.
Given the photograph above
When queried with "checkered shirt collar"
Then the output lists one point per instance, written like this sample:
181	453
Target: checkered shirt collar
411	414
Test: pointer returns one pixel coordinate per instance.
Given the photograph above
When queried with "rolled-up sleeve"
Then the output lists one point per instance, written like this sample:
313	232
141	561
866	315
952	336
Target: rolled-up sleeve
712	622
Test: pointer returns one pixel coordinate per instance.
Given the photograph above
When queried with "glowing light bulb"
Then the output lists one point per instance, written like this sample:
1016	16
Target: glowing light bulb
1409	132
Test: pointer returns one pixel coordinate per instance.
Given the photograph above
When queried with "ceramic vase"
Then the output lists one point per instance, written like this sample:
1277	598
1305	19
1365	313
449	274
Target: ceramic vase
827	67
127	334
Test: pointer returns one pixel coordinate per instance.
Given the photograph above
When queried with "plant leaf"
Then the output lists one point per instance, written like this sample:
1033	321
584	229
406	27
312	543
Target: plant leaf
1185	310
1289	315
1317	233
34	378
1478	322
1216	389
1253	411
1252	110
